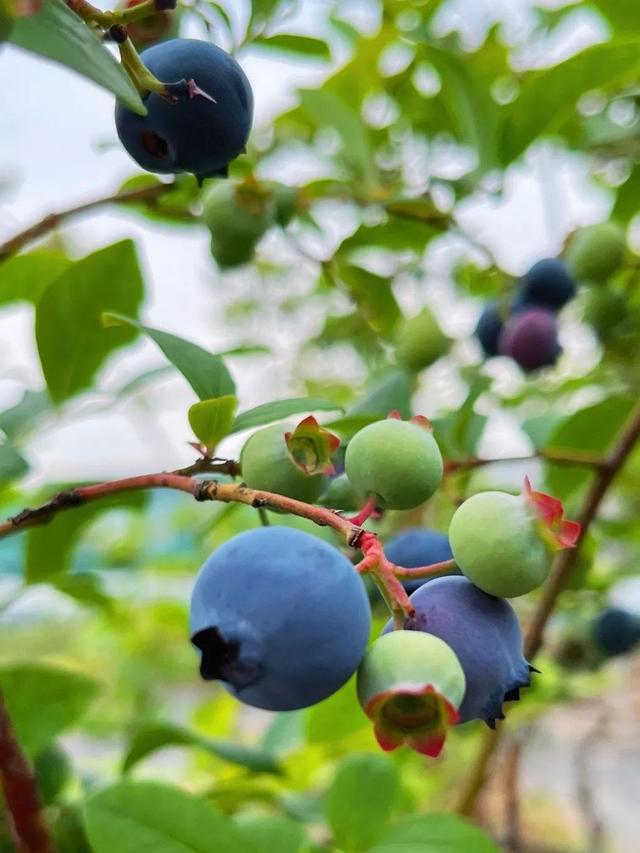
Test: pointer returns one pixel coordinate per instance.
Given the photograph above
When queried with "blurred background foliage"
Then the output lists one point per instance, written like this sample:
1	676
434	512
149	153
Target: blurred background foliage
418	121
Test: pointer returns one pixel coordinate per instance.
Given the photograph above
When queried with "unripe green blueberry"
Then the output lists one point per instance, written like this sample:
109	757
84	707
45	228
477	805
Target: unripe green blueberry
496	544
237	216
340	494
606	310
596	252
266	465
398	462
420	341
286	199
411	684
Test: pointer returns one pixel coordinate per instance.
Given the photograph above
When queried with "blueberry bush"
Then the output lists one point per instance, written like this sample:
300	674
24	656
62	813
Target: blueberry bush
394	524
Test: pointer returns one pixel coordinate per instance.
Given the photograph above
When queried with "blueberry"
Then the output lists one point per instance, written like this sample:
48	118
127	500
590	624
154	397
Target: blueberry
530	338
546	285
485	635
418	547
195	134
420	341
280	617
489	328
398	462
615	631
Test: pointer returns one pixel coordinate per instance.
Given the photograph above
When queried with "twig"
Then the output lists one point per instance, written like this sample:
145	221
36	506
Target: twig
558	578
558	457
20	792
511	780
52	220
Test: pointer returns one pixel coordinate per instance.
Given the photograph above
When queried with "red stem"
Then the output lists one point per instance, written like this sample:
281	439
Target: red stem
365	513
20	792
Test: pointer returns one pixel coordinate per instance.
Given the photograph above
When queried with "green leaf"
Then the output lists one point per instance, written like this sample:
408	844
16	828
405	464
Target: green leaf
373	294
327	110
392	392
593	429
212	420
72	342
435	833
360	800
396	234
50	549
268	413
548	98
18	420
57	33
157	736
44	700
134	816
336	717
272	833
206	373
85	588
12	464
299	45
24	278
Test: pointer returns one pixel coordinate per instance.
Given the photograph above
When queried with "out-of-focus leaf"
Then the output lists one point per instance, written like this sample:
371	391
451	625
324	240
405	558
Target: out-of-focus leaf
12	463
271	833
86	588
57	33
173	205
336	717
435	833
548	98
44	700
592	429
72	342
133	816
19	419
157	736
297	45
394	392
50	548
396	234
277	410
459	432
211	420
24	278
360	800
205	372
627	197
374	297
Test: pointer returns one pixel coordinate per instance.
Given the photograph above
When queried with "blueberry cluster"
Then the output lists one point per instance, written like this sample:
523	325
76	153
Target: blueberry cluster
282	618
526	328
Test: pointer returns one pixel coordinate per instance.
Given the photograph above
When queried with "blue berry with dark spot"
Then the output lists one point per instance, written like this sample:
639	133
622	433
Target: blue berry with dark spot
484	632
489	328
280	617
546	285
615	631
205	127
418	547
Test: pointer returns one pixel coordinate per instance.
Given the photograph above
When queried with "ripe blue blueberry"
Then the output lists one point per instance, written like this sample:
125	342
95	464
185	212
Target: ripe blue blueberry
546	285
280	617
489	328
530	338
417	547
615	631
201	132
485	635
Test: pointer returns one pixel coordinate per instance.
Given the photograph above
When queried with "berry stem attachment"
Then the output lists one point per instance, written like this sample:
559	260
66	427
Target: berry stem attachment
143	79
365	513
20	792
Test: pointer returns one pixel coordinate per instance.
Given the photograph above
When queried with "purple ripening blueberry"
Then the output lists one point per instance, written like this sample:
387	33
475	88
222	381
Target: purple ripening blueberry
530	338
485	635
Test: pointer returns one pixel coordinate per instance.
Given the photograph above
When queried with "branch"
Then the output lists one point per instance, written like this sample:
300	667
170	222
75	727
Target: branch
558	578
558	457
52	220
20	792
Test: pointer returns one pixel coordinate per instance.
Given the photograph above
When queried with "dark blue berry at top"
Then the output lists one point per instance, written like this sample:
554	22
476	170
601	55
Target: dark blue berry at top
280	617
546	285
418	547
615	631
489	328
485	634
201	133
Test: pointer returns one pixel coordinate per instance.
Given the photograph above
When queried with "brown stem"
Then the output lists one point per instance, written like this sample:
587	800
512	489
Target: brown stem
511	778
20	792
560	573
52	220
